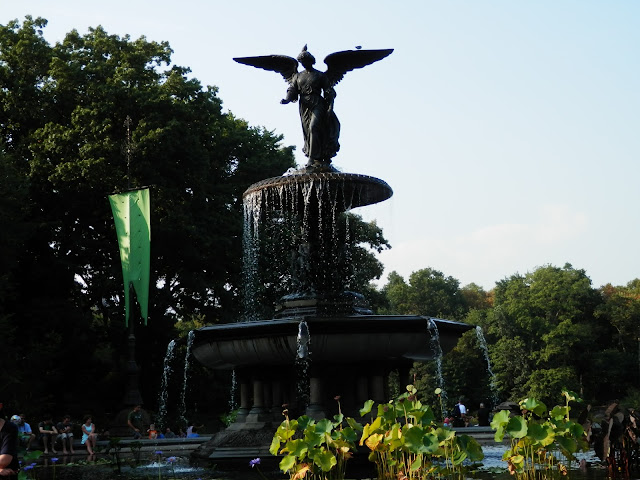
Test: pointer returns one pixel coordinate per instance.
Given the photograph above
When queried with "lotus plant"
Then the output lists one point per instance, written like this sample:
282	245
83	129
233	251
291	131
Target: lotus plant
542	441
405	442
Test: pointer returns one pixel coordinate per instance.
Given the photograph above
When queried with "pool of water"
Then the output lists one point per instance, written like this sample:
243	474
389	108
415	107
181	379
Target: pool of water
154	466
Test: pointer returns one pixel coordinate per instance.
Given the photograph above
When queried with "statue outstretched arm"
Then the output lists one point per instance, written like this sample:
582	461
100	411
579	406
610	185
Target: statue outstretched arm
292	95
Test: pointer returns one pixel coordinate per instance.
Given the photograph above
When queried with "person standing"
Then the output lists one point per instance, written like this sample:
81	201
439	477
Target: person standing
483	416
134	420
460	414
9	464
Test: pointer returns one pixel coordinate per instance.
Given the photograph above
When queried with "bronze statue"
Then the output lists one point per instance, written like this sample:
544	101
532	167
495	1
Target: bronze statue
314	89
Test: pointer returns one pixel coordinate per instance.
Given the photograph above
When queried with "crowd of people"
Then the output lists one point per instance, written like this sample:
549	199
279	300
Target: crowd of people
58	437
51	434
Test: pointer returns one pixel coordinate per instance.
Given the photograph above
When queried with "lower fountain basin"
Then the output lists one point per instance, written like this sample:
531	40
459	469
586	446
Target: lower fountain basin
333	340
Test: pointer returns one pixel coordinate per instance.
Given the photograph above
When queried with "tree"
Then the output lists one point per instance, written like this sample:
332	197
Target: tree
68	110
543	331
617	364
428	292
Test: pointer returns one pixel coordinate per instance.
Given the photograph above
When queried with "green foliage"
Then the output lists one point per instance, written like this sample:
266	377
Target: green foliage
542	332
406	442
543	442
63	149
428	292
315	450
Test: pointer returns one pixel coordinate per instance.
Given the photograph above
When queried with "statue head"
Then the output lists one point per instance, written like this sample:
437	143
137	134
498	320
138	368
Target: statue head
304	57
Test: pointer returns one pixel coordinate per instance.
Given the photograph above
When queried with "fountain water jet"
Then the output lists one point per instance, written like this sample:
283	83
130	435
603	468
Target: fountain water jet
185	377
164	386
495	397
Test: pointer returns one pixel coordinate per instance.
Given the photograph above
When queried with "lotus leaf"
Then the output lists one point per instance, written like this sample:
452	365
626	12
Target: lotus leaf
571	396
534	406
417	463
349	434
413	438
324	459
301	472
444	434
517	461
313	438
517	427
568	445
373	441
287	463
500	419
471	447
296	447
325	426
576	430
542	434
459	457
353	424
275	445
368	405
559	412
302	423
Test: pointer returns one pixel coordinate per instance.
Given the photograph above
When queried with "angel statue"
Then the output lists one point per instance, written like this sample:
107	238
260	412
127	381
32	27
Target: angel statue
314	90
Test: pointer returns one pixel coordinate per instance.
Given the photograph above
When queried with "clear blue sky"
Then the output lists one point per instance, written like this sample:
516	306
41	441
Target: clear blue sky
509	130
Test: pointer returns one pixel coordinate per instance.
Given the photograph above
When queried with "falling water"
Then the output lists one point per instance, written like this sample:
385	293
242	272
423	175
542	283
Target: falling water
164	387
492	378
437	352
302	364
185	376
310	232
234	390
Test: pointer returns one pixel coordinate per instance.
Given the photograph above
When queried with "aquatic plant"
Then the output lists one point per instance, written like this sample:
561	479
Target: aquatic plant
315	450
254	464
543	442
405	442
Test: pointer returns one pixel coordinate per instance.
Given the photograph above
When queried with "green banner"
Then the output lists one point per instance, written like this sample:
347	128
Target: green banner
131	213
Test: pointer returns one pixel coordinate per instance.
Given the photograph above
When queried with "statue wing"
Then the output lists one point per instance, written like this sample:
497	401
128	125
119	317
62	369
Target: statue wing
340	63
285	66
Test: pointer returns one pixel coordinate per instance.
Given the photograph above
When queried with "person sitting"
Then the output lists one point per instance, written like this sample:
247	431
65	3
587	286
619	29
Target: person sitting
169	434
152	432
47	431
25	434
65	434
194	433
89	434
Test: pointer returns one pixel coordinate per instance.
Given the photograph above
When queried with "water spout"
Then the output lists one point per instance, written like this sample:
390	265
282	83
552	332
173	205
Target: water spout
234	390
437	355
303	340
492	378
164	387
302	364
185	377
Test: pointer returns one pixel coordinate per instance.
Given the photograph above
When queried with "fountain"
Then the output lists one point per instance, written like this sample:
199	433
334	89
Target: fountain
323	340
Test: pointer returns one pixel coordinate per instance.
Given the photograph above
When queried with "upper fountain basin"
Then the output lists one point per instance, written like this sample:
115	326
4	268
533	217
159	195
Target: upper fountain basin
344	190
